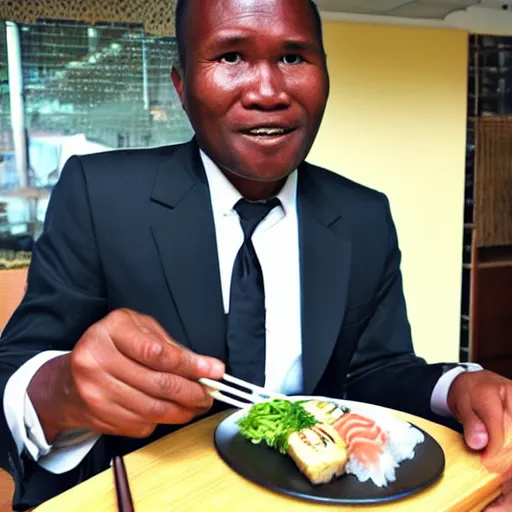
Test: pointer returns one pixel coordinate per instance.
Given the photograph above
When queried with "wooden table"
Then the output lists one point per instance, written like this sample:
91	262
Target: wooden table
183	472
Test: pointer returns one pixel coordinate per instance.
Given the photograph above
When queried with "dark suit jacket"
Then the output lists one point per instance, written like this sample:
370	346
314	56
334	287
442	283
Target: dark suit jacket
134	229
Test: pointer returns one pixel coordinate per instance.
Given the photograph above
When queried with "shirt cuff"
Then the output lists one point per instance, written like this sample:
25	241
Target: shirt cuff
68	450
439	398
68	455
15	403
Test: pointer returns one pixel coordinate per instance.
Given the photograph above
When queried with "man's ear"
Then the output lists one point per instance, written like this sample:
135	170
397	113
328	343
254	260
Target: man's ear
177	80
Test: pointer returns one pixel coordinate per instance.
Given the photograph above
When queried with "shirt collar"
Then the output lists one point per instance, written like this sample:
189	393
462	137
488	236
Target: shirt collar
224	195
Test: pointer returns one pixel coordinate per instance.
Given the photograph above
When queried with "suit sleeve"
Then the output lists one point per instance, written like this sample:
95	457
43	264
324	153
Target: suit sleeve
384	369
65	295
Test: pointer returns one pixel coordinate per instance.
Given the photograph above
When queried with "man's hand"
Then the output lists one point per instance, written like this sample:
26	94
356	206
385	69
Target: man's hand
482	402
124	376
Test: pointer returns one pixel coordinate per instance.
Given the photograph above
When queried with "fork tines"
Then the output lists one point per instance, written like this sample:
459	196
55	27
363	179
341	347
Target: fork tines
258	394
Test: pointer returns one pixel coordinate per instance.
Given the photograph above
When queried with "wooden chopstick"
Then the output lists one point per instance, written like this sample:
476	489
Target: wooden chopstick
124	496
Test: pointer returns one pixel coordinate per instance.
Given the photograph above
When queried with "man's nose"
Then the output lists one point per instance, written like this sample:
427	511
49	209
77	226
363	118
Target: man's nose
266	89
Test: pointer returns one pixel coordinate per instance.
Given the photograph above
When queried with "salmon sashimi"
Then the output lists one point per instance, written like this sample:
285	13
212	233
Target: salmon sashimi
352	417
349	421
364	438
368	452
373	433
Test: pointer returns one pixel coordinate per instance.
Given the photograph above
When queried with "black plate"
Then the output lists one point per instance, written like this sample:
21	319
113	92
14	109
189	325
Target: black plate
269	468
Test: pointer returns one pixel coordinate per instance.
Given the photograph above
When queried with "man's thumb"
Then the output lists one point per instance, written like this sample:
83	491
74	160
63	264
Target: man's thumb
475	433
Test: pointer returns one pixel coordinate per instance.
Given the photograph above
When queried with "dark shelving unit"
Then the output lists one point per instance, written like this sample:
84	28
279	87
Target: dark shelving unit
489	96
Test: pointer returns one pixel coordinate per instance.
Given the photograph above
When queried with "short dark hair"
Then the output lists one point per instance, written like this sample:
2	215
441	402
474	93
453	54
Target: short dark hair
180	32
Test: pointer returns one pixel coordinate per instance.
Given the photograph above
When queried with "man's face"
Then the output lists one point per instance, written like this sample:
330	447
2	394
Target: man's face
255	83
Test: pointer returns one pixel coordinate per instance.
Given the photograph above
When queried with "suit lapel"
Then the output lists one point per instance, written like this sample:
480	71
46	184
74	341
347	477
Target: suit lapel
325	271
184	232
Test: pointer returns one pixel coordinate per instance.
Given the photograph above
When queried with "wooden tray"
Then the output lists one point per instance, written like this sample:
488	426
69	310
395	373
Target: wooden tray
183	472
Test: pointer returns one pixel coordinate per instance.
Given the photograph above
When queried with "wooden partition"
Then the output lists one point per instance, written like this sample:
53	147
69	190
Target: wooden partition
493	181
6	491
12	289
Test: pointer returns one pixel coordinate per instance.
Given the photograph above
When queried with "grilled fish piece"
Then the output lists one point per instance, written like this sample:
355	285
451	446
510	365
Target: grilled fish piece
319	453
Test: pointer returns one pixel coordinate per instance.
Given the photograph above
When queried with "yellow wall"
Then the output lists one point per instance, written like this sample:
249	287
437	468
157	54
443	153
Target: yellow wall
396	122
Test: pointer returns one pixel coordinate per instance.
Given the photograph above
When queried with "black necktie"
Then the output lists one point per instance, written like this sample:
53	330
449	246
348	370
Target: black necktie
246	319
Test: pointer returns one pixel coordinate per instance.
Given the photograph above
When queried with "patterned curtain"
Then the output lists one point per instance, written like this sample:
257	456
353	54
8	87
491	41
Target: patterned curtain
157	16
493	181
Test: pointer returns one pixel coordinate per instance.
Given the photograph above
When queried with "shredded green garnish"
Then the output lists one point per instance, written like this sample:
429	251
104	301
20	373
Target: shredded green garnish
272	422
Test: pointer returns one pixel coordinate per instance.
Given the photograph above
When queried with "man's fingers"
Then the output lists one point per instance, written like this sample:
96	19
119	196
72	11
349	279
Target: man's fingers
162	385
488	406
129	375
482	401
138	340
150	323
107	417
475	432
146	408
480	408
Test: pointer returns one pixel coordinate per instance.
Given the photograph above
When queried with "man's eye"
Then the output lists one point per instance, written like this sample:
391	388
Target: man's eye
231	58
292	58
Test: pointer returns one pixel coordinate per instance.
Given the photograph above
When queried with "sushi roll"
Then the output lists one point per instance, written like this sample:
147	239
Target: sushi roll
325	412
319	453
376	451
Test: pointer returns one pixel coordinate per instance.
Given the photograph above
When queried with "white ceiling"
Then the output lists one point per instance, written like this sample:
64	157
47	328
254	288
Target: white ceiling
425	9
475	16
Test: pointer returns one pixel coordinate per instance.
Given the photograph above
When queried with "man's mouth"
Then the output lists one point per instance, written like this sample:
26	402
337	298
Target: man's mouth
268	131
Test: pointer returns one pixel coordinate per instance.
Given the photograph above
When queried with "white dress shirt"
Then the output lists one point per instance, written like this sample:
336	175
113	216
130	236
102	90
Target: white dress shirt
276	242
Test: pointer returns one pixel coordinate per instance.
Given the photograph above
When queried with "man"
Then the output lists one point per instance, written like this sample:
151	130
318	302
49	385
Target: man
161	266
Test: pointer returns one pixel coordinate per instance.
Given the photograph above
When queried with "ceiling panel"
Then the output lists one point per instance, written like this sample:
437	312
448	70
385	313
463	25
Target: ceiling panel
456	3
362	6
425	10
431	9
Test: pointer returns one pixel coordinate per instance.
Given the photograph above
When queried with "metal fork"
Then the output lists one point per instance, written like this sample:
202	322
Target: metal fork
220	389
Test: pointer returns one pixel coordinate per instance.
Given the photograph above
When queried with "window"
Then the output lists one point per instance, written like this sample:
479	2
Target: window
7	164
85	89
490	76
